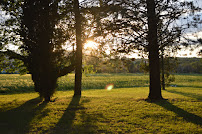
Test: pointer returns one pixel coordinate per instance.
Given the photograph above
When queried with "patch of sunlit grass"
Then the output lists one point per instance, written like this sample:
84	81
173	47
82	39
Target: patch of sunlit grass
122	110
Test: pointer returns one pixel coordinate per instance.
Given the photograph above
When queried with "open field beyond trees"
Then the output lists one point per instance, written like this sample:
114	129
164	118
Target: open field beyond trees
120	110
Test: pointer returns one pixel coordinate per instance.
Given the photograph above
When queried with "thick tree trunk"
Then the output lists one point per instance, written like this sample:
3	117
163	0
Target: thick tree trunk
45	79
78	71
154	66
46	67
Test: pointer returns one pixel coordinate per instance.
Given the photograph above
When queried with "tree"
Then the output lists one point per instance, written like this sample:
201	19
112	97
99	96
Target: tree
153	48
128	23
37	27
139	25
168	68
78	71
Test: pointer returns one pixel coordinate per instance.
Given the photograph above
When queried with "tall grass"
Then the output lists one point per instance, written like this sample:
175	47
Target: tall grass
99	81
14	83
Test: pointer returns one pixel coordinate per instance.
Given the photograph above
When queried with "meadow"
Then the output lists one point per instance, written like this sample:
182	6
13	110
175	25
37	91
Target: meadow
14	83
120	110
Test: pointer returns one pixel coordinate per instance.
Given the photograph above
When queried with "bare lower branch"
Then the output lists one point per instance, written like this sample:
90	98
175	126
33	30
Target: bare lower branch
13	55
66	70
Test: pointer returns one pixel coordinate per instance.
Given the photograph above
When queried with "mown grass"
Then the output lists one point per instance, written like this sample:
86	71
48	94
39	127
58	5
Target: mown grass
121	110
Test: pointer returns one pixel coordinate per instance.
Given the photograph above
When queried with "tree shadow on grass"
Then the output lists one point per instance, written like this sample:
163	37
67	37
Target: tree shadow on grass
67	118
192	86
89	121
17	120
16	89
86	123
192	95
180	112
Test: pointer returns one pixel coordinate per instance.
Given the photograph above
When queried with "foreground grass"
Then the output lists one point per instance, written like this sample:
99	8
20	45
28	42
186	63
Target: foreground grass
121	110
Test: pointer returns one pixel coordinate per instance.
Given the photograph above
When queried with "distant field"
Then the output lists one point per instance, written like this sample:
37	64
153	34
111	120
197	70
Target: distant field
14	83
119	111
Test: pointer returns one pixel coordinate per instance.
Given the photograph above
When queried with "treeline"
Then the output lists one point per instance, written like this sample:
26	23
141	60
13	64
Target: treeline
189	65
126	65
183	65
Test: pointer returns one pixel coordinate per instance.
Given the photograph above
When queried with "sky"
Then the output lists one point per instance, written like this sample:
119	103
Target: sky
193	33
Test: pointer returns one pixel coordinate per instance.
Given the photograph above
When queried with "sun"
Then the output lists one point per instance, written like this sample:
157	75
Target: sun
90	44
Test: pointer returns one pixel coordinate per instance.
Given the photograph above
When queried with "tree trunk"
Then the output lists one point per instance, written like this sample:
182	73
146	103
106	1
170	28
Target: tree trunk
154	65
162	72
78	71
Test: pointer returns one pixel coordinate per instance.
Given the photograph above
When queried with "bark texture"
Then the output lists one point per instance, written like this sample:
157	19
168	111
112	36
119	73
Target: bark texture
154	65
78	69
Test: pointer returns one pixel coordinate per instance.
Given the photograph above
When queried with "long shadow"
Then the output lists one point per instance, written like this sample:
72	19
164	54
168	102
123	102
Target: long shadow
180	112
189	86
87	124
192	95
67	118
5	90
17	120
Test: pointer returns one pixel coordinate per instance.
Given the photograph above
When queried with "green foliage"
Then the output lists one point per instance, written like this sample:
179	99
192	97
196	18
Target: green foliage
106	64
168	79
13	66
189	65
169	69
88	69
144	66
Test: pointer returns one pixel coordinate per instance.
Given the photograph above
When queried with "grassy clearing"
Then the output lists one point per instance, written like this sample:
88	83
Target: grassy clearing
121	110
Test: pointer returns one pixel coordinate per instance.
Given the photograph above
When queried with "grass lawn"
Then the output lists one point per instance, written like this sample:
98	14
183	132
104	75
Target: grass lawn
121	110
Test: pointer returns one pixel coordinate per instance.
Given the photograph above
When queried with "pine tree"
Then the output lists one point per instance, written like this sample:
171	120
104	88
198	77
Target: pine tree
38	28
